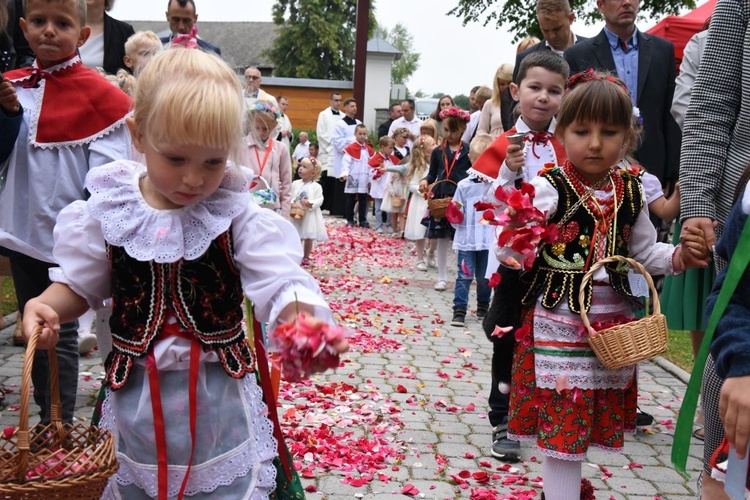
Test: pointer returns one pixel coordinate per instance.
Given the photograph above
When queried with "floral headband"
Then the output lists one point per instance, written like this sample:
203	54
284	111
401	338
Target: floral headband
264	107
590	75
455	112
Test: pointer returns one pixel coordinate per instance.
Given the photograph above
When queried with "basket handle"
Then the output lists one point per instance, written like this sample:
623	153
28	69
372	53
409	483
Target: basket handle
22	434
429	189
615	258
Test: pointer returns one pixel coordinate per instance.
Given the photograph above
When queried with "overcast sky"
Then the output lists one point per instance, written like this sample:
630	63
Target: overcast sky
453	58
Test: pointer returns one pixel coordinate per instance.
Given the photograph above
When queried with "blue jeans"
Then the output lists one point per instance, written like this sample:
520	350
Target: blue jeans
379	215
476	263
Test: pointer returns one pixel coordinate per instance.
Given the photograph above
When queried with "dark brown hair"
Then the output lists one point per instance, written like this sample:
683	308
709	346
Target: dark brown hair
596	100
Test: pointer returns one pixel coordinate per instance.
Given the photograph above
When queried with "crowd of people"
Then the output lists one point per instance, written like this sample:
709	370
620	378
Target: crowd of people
177	192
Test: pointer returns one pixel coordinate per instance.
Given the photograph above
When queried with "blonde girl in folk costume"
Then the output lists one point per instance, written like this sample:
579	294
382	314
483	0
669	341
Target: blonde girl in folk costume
177	243
268	159
414	230
561	396
308	195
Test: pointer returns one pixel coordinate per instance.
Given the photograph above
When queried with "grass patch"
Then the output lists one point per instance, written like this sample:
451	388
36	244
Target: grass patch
680	349
8	302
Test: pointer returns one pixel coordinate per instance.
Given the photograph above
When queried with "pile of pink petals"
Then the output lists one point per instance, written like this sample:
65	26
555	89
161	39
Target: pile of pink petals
304	345
523	226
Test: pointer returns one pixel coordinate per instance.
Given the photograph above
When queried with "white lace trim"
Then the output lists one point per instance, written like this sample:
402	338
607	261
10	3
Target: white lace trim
223	470
39	97
476	173
163	236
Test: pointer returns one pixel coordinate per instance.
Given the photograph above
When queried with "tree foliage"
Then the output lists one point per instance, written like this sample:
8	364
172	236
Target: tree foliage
400	38
316	38
519	16
462	101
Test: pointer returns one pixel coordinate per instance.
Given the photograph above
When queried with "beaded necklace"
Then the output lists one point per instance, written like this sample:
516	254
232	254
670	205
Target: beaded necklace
603	209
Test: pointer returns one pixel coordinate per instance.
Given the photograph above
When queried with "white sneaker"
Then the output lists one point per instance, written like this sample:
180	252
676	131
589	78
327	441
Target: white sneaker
86	343
421	266
379	230
441	285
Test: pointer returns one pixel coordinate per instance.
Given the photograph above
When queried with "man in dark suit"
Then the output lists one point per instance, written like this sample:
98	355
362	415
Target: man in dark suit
646	64
182	16
554	18
394	112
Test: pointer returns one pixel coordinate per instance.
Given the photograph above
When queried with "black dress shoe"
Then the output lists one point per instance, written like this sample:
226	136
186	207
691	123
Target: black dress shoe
642	419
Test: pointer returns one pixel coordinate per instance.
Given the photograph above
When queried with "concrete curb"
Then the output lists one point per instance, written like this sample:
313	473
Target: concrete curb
672	368
10	319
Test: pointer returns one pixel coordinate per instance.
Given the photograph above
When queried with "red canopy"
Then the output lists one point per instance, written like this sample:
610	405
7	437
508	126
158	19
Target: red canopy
679	29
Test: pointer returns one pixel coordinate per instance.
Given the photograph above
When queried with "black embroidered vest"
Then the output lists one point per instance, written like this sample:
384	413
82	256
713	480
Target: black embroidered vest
204	295
559	268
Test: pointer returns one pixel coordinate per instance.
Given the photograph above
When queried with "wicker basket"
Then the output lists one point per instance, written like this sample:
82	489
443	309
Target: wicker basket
296	212
438	206
630	343
397	201
58	461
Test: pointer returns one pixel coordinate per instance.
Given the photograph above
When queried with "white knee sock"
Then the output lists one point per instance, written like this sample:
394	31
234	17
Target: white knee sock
443	244
85	322
562	479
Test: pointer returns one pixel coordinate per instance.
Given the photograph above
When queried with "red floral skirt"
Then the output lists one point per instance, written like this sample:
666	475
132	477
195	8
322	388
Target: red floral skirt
566	424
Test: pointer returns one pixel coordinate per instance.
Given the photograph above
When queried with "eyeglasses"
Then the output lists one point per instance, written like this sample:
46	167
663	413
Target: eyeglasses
250	77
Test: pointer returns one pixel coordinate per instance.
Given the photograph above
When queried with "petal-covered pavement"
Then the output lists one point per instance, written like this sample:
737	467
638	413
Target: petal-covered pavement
405	415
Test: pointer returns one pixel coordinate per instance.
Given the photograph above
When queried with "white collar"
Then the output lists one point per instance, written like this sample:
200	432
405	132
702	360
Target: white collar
147	233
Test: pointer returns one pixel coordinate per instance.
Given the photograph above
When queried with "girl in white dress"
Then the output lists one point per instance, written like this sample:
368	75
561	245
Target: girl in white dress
177	243
308	195
417	169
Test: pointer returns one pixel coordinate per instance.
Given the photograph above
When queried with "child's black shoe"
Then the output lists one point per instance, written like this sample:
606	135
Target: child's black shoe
482	308
459	316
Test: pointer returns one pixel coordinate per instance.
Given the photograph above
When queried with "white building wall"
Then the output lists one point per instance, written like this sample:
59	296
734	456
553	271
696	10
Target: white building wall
377	86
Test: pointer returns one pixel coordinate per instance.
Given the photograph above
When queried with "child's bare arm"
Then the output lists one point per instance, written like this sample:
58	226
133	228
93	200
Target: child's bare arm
665	208
8	98
57	304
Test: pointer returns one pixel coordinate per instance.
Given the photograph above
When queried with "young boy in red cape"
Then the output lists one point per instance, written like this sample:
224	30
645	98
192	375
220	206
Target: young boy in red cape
356	173
58	119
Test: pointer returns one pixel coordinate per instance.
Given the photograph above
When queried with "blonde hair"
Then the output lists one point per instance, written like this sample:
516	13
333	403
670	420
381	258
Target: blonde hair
187	96
267	113
479	143
504	72
527	43
417	162
79	4
141	39
386	141
483	94
314	164
432	125
122	79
